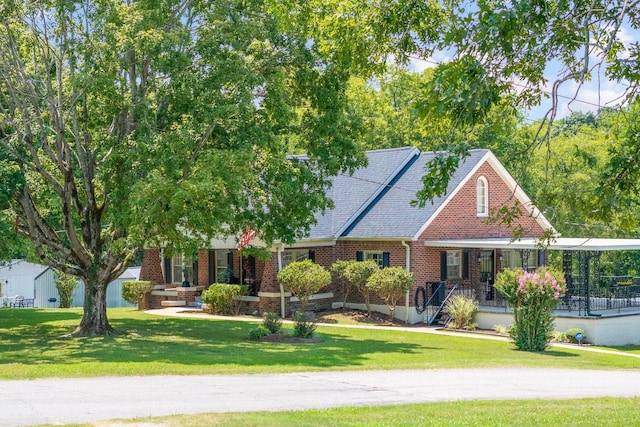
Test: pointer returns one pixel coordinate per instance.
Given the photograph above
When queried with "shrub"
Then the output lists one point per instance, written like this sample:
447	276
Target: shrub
533	297
133	291
65	284
462	311
356	273
303	327
390	284
571	334
558	336
258	332
501	329
303	279
272	322
224	298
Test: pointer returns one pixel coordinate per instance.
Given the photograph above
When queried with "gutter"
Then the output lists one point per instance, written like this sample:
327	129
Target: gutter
279	254
408	267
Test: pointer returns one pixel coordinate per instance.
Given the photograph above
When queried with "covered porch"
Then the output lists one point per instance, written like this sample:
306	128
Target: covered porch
589	294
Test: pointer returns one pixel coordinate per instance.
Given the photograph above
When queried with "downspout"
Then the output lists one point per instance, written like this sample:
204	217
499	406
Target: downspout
408	267
279	254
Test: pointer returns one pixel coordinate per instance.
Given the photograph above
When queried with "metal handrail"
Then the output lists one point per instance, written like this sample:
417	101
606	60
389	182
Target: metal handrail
431	319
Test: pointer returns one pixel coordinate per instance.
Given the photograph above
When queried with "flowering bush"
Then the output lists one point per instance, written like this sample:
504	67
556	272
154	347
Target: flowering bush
533	297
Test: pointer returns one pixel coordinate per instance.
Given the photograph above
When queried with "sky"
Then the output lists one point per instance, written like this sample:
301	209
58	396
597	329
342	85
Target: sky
598	92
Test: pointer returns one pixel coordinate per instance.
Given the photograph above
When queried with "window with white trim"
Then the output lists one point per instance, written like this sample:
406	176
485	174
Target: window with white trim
482	197
376	256
223	269
181	269
511	258
454	266
294	255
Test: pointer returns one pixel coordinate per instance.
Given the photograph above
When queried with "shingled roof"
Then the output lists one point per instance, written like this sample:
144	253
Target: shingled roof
375	202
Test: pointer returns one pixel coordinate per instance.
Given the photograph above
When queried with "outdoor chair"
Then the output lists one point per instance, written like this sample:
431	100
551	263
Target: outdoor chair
18	302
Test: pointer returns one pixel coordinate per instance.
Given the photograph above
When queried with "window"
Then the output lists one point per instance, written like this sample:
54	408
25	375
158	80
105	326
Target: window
453	265
294	255
375	256
511	258
181	269
223	269
482	197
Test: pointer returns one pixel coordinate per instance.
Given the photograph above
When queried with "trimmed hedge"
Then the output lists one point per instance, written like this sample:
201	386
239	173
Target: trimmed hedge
223	297
133	291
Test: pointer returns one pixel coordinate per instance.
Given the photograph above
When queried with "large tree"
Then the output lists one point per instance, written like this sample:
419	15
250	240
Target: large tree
163	122
499	52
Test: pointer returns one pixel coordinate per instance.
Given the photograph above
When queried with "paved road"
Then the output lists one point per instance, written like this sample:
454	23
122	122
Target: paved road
57	401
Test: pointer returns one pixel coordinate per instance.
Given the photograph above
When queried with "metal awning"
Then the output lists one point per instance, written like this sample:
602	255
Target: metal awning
560	243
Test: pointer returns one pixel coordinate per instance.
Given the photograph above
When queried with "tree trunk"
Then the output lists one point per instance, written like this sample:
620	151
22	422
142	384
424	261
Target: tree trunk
94	321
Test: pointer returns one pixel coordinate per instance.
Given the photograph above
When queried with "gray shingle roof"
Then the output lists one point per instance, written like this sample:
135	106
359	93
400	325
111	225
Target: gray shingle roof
351	194
366	207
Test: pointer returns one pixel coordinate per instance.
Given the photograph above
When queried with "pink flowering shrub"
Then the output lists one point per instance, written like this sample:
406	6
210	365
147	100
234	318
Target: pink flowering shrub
533	297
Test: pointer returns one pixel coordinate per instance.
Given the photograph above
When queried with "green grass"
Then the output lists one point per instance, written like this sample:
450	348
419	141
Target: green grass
577	412
32	346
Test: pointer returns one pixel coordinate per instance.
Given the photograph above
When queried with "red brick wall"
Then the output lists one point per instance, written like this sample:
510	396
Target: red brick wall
151	268
203	268
459	220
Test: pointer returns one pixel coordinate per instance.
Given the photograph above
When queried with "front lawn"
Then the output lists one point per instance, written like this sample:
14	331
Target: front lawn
32	346
578	412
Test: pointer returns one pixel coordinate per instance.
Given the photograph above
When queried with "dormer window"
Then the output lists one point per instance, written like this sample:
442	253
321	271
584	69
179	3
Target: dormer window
482	197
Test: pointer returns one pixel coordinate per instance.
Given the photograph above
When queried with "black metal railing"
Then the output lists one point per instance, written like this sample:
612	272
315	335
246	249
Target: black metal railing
609	293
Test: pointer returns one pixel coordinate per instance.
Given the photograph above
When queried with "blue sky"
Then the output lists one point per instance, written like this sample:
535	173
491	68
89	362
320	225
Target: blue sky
596	93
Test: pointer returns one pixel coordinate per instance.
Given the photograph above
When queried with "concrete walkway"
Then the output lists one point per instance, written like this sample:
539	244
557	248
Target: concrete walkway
58	401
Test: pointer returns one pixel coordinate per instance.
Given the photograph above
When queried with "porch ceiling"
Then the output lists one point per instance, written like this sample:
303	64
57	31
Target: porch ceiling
561	243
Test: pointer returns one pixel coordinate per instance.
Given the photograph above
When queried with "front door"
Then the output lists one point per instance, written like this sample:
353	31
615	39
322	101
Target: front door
487	274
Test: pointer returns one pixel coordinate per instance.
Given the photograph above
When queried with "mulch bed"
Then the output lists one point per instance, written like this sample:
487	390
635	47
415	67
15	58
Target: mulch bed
286	338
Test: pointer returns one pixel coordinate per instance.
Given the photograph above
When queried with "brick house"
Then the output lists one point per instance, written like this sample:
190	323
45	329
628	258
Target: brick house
373	218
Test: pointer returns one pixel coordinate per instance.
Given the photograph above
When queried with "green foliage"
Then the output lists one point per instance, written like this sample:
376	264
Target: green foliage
303	326
134	290
390	284
501	329
533	297
166	123
65	284
356	273
272	322
462	311
224	298
259	332
303	279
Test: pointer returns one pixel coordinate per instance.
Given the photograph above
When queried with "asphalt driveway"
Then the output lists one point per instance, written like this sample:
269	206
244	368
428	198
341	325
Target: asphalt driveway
57	401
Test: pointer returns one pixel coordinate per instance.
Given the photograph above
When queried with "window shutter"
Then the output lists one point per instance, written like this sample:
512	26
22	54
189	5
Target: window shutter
194	279
443	265
359	256
230	266
465	265
541	258
212	266
167	270
312	256
386	259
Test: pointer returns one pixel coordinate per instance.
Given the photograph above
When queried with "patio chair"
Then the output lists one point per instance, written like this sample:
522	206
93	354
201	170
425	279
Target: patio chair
18	302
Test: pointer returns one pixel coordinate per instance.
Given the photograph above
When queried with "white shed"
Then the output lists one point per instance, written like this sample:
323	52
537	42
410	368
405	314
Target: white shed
18	276
35	281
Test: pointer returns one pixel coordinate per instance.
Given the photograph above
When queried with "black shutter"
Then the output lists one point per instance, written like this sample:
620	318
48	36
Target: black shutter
465	265
312	256
230	267
212	266
386	259
194	279
359	256
443	265
541	258
167	270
